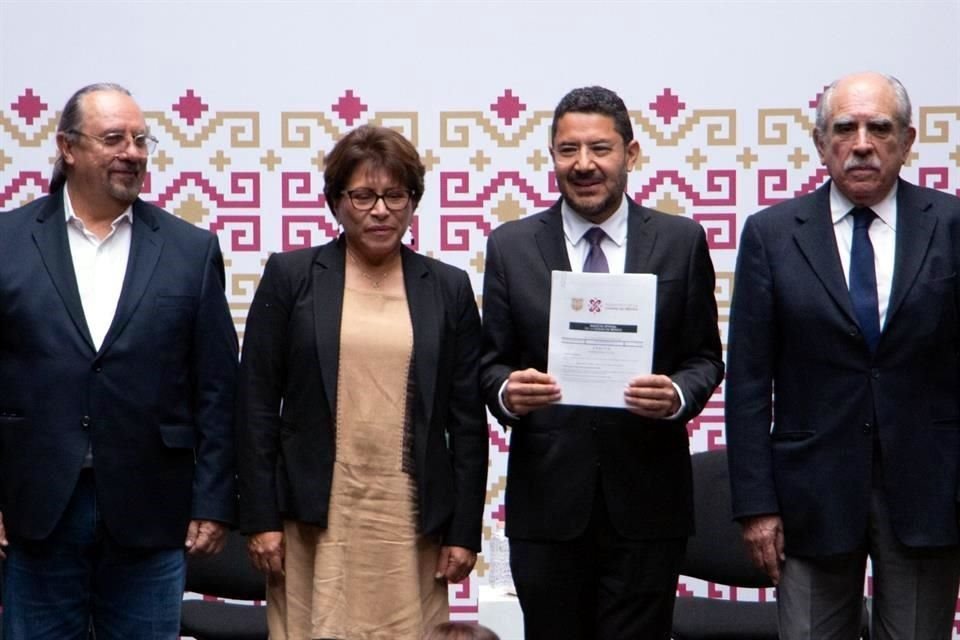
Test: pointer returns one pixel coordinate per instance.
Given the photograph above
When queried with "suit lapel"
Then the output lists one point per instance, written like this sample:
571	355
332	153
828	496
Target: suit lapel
425	315
817	241
550	240
145	247
328	282
50	235
641	238
915	227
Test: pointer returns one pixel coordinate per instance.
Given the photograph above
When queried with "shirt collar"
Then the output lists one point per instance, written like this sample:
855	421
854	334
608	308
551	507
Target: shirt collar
72	218
575	225
886	209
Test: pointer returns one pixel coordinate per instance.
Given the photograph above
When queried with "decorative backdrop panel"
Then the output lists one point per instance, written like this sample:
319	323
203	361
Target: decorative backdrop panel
246	111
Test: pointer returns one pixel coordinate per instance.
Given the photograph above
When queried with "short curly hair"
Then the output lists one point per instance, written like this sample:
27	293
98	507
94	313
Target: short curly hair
376	149
595	100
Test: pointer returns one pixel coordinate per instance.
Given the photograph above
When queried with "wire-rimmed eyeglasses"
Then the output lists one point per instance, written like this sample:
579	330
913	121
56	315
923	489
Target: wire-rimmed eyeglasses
116	142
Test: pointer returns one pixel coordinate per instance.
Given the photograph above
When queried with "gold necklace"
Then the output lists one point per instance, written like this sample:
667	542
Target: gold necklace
372	279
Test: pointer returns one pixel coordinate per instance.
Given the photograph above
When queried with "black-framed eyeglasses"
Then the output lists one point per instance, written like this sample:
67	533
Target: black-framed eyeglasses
366	199
117	142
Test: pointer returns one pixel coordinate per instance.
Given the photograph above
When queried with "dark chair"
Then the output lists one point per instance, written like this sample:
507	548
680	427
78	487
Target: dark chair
717	554
228	574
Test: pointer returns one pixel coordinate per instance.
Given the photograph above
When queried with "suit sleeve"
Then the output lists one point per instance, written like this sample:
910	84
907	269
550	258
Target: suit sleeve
500	349
467	426
215	364
750	358
701	369
260	391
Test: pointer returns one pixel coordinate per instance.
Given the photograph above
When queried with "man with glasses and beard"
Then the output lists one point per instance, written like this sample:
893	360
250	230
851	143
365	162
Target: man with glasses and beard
599	500
117	368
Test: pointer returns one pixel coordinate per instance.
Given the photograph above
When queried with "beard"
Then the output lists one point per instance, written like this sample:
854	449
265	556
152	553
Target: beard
124	187
595	208
125	193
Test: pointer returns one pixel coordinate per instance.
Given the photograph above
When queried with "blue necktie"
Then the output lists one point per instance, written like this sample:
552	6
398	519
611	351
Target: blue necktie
596	261
863	277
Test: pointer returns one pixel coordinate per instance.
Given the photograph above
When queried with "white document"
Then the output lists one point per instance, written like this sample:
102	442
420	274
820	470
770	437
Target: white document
601	334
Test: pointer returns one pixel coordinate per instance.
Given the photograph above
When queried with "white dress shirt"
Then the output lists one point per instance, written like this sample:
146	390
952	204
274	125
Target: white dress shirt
614	244
99	265
883	237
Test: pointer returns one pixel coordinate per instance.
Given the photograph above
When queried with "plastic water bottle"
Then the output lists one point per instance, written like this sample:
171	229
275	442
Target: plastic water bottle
500	577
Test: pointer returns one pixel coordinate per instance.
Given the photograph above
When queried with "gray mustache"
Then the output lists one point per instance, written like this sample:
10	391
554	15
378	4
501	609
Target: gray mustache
861	163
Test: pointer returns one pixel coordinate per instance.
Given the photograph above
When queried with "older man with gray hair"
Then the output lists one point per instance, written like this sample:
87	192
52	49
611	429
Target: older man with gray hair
847	304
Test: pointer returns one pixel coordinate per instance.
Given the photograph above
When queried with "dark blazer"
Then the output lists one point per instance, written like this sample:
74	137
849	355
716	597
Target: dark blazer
555	452
793	327
155	402
288	394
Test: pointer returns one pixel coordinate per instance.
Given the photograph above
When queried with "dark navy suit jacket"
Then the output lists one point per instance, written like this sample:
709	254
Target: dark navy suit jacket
155	402
793	331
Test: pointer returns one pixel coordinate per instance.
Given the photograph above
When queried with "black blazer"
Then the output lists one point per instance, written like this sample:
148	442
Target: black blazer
156	401
555	452
793	327
288	394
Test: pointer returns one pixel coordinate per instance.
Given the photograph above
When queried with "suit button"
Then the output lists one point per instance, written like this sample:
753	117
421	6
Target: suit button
867	428
85	422
875	374
97	367
854	331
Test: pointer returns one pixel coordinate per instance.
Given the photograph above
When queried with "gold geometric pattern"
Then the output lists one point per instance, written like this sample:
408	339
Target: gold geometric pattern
779	131
727	122
508	209
39	136
462	131
251	120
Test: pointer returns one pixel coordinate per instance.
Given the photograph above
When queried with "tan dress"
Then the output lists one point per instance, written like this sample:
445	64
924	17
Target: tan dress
369	575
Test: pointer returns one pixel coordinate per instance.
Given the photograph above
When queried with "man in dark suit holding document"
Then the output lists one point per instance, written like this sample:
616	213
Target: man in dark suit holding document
599	502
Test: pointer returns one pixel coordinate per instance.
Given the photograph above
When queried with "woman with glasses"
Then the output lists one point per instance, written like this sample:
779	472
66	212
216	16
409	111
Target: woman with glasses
362	434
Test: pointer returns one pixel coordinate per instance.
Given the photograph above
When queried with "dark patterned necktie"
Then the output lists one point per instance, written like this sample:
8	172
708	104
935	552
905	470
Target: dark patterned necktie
863	277
596	261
